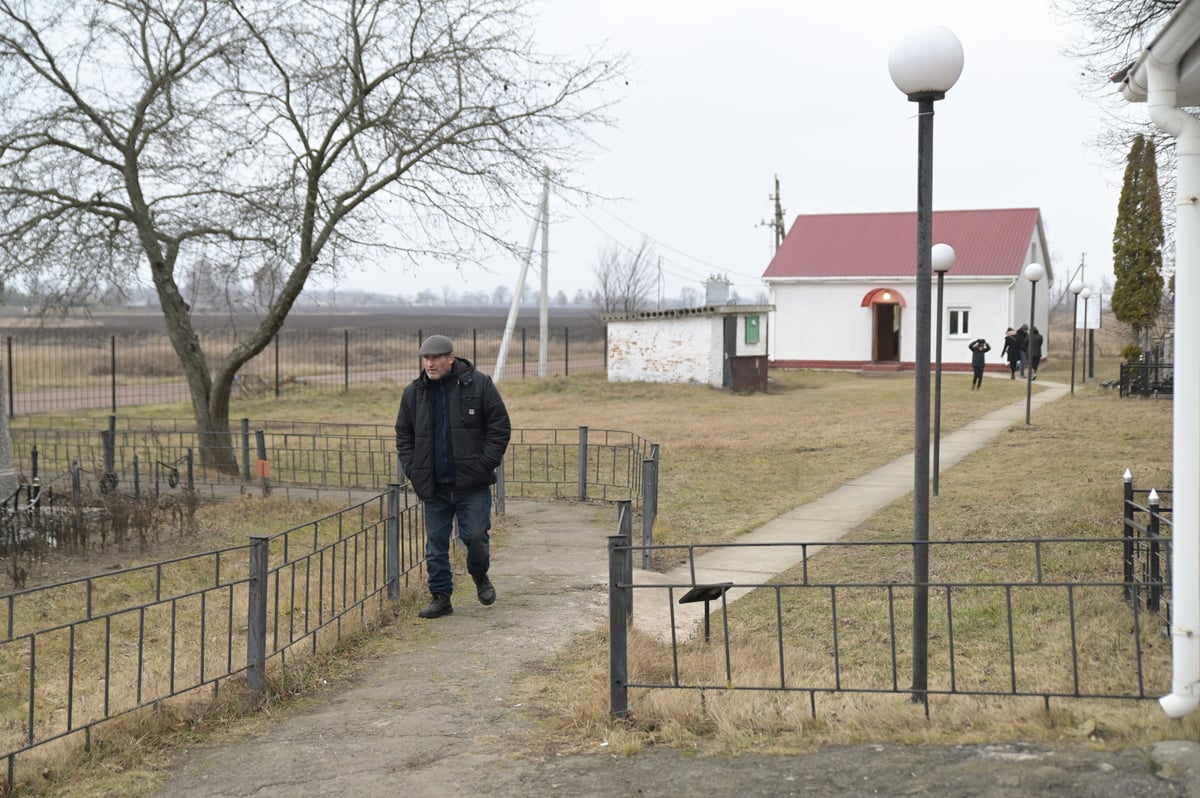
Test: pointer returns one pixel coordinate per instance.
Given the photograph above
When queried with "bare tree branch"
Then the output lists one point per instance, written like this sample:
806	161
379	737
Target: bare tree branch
266	140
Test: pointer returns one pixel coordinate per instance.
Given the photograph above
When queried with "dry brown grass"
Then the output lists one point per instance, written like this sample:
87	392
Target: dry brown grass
1061	476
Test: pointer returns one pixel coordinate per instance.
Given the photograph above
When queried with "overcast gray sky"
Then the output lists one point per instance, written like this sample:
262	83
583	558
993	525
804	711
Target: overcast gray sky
724	96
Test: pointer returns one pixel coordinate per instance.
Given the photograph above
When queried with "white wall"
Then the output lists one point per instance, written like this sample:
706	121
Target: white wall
825	320
684	349
744	349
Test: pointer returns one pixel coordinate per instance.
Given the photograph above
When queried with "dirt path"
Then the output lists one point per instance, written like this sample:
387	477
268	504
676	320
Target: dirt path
439	718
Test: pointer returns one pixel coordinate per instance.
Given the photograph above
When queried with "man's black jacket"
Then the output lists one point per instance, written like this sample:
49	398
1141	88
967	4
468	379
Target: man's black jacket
479	429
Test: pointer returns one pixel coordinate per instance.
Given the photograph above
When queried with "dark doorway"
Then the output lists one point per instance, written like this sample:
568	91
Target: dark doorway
730	347
887	333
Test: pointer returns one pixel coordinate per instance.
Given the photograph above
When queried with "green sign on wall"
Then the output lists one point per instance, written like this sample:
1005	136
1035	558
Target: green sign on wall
752	329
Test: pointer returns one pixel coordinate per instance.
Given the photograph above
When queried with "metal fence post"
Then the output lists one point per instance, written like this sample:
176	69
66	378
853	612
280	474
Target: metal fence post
625	530
583	437
566	351
391	542
264	466
346	360
8	372
109	438
618	630
1127	533
245	450
114	373
649	481
191	470
1152	532
33	471
256	619
137	478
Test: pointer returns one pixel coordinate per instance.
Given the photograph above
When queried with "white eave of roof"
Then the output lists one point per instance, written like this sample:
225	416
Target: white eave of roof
1177	42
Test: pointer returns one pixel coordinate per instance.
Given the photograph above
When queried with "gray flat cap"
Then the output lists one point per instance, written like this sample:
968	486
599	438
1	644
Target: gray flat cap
436	345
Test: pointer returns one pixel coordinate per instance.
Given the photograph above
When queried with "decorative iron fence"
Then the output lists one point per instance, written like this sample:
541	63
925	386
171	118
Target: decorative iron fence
1147	379
48	370
132	638
280	595
1029	632
1147	550
155	456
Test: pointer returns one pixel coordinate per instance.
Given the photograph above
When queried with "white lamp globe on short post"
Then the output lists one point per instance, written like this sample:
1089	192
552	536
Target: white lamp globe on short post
942	258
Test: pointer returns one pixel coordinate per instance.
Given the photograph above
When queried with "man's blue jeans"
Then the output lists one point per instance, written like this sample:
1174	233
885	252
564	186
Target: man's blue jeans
474	513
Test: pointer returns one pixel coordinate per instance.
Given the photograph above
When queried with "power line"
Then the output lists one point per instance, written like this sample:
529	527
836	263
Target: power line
664	245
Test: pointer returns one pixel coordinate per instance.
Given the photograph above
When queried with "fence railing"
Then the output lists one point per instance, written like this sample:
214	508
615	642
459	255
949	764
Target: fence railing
167	628
1147	551
1030	634
1147	379
48	369
154	456
131	638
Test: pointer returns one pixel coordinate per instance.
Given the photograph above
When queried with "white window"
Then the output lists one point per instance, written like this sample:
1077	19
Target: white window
960	321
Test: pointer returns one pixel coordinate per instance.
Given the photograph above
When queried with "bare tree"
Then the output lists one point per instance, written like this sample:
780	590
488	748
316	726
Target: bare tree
625	279
279	139
1111	34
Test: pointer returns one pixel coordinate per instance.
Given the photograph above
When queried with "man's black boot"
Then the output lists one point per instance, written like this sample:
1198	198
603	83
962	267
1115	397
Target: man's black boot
438	607
484	589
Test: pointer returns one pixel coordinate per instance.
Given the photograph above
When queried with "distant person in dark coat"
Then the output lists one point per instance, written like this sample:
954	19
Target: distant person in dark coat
1011	352
1035	350
1023	346
979	347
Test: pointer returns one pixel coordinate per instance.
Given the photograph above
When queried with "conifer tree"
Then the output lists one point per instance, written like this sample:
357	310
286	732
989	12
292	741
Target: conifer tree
1138	242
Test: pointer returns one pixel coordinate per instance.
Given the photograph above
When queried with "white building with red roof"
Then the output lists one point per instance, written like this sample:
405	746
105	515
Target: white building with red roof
844	287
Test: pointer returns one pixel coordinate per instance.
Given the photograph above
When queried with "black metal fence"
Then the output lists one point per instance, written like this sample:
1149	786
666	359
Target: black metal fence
132	638
48	370
135	637
1147	379
1032	633
1147	549
157	456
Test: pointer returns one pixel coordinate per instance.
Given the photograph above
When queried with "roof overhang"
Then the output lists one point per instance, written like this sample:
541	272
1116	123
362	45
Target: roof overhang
1177	42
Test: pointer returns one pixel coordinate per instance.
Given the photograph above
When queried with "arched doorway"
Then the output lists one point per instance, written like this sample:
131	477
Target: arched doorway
885	305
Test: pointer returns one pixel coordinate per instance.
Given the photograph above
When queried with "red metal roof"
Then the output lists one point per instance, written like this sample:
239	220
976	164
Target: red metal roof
986	243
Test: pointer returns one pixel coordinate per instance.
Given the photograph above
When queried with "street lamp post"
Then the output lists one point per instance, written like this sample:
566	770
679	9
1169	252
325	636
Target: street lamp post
1076	287
942	258
1086	293
924	65
1033	273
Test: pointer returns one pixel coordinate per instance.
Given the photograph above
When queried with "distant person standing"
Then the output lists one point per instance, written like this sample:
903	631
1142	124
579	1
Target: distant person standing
452	430
1012	353
979	347
1035	350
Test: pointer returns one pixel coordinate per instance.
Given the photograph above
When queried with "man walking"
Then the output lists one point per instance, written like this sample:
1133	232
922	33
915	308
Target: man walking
451	433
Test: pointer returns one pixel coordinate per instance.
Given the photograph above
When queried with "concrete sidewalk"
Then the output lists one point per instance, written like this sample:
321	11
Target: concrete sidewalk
825	519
